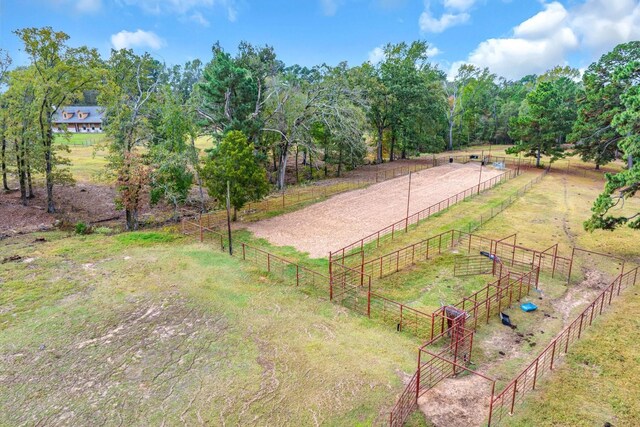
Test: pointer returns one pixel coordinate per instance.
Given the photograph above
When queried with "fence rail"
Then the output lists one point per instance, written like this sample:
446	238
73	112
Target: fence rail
388	233
514	393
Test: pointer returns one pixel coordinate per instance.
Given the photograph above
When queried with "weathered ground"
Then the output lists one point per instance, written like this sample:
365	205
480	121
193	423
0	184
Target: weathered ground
150	329
345	218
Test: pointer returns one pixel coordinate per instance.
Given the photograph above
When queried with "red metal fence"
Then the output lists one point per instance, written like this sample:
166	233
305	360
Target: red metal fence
514	393
297	196
388	233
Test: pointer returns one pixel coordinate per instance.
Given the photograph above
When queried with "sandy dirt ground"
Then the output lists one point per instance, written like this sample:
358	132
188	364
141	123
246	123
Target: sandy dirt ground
457	402
347	217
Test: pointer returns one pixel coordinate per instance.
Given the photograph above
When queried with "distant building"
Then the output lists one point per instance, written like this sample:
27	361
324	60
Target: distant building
78	119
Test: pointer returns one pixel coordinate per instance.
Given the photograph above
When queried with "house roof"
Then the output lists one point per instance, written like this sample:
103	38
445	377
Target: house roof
93	114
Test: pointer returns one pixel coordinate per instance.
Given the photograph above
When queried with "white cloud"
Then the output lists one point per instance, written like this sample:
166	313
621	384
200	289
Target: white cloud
455	14
185	7
329	7
127	39
80	6
88	6
376	55
199	19
459	4
433	51
430	24
549	37
603	24
543	22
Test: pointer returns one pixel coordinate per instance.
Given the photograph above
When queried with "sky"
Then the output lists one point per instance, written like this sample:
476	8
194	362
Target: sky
511	37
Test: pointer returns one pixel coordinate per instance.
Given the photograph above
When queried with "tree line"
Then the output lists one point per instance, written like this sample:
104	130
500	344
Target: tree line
267	118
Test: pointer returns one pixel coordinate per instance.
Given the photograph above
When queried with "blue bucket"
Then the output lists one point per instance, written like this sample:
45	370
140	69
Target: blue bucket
528	306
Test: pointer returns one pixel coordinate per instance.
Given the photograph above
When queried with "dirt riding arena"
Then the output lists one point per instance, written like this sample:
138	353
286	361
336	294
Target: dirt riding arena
344	218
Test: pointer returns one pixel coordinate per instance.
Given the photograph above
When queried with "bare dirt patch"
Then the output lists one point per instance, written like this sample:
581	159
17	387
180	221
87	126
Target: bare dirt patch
580	295
120	373
90	203
457	402
346	217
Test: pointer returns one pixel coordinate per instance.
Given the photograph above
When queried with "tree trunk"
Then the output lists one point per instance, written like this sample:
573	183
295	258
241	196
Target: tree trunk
235	214
310	167
5	184
282	172
303	157
393	147
403	154
274	157
597	166
29	182
196	168
48	159
326	159
629	161
451	135
379	145
538	157
21	175
339	161
129	216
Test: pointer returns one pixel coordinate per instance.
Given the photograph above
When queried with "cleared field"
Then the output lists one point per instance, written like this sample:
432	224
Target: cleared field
145	329
344	218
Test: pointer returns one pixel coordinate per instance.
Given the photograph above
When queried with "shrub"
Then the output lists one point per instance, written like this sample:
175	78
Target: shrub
82	228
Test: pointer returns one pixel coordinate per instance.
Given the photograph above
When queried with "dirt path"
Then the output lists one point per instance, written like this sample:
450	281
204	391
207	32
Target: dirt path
457	402
464	401
347	217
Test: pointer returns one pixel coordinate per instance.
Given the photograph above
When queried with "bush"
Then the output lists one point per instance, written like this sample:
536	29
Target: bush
103	230
82	228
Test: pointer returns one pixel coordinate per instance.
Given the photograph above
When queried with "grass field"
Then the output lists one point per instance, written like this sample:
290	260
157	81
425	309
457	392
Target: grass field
146	328
152	328
88	160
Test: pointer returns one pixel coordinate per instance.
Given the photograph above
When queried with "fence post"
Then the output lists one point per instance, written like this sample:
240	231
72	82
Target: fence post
418	375
362	268
571	266
244	257
369	299
297	275
566	346
201	231
268	262
535	374
553	354
330	277
493	390
432	325
513	398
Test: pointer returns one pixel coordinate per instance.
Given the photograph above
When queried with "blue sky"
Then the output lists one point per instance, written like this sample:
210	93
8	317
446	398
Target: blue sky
511	37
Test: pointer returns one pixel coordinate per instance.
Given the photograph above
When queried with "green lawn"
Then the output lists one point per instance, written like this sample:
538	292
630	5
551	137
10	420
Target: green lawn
82	139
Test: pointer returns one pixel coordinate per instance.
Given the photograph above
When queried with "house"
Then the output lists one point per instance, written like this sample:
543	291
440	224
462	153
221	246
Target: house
80	119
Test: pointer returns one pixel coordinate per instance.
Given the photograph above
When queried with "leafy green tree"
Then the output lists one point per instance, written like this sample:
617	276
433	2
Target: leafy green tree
625	184
20	124
129	97
596	139
545	119
61	75
171	156
233	89
233	160
5	63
